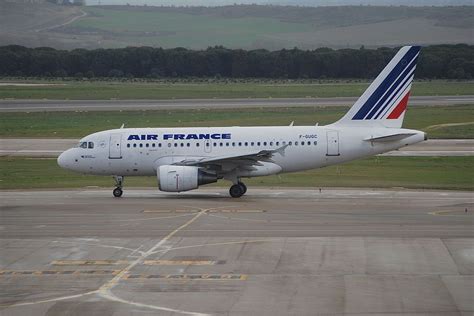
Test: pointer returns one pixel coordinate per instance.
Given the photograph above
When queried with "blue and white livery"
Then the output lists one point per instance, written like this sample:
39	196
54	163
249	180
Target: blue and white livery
182	159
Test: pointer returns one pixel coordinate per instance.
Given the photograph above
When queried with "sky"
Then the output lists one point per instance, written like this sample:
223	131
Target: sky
281	2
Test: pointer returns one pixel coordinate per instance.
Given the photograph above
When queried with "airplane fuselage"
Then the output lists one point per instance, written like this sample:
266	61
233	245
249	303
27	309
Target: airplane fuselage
138	152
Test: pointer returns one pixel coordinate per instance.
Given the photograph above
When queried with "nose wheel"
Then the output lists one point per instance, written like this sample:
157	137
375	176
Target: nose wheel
237	190
117	192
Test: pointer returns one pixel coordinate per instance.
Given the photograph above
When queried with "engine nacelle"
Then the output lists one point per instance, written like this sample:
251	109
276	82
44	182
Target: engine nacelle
182	178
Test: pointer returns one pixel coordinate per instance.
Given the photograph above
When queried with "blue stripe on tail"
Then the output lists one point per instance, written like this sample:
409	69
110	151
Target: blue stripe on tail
401	66
401	81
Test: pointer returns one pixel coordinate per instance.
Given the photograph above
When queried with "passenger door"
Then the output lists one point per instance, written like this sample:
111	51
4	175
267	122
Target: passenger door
115	146
332	143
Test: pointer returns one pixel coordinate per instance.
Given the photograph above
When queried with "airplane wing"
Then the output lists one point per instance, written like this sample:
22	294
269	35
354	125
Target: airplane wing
233	161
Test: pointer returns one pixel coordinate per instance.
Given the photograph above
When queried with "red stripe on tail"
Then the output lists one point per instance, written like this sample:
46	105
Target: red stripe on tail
400	108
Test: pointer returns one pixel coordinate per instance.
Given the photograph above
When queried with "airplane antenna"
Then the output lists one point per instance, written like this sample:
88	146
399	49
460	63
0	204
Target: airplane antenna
123	125
292	123
317	124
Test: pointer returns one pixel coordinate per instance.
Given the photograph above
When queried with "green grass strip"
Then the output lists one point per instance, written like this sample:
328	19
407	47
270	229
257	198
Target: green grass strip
162	91
451	173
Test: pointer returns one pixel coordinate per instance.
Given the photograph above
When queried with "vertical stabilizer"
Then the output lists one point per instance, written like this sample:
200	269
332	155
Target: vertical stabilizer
384	102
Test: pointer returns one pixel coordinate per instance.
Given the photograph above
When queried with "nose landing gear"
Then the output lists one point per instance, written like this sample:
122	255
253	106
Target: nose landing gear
237	190
117	192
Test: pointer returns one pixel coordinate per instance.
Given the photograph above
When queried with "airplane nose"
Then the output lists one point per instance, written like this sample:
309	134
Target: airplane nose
63	160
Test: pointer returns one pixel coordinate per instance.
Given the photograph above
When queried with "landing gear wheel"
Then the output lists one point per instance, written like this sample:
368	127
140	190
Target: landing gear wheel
118	183
243	186
117	192
236	191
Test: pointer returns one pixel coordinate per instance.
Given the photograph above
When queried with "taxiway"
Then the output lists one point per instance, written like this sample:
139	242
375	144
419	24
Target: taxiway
272	252
118	105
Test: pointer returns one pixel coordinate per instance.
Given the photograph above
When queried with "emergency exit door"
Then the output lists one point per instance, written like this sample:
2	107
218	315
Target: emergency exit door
332	143
115	144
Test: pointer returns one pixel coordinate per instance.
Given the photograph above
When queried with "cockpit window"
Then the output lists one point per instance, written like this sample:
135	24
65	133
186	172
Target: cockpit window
83	145
91	145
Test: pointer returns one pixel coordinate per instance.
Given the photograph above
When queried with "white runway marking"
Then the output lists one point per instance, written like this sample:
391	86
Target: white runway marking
62	298
106	289
97	245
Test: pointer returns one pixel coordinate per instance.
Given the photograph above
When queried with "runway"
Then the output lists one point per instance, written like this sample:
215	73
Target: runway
53	147
117	105
272	252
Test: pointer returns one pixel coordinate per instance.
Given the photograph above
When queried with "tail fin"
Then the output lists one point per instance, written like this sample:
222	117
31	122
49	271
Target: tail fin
384	102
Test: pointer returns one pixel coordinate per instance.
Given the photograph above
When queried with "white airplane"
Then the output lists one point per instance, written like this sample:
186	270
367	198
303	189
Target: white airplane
185	158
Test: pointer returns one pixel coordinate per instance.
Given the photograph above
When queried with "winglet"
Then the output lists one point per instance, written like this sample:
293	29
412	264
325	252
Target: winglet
281	150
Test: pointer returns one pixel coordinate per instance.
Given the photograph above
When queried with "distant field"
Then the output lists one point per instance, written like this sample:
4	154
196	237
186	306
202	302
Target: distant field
439	122
273	27
456	173
130	90
173	29
238	26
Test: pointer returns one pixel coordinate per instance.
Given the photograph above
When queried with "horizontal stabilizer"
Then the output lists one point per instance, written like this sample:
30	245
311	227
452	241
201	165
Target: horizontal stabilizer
389	138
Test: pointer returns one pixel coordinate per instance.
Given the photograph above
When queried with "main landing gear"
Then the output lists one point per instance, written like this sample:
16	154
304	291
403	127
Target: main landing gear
118	183
237	190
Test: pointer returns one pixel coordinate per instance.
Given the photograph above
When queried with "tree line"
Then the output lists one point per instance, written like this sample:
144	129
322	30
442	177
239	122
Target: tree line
435	62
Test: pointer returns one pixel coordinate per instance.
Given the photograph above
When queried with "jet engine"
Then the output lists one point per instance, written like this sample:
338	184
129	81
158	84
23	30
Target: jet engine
182	178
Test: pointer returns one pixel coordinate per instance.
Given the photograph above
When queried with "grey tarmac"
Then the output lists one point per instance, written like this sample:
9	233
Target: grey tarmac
273	252
50	147
7	105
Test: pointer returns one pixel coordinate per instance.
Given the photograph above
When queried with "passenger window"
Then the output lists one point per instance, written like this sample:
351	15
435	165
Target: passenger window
128	145
141	145
153	145
258	143
290	143
308	143
264	143
246	144
134	145
315	143
175	145
159	145
146	145
296	143
188	144
252	143
197	144
169	144
277	143
302	143
240	144
271	143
